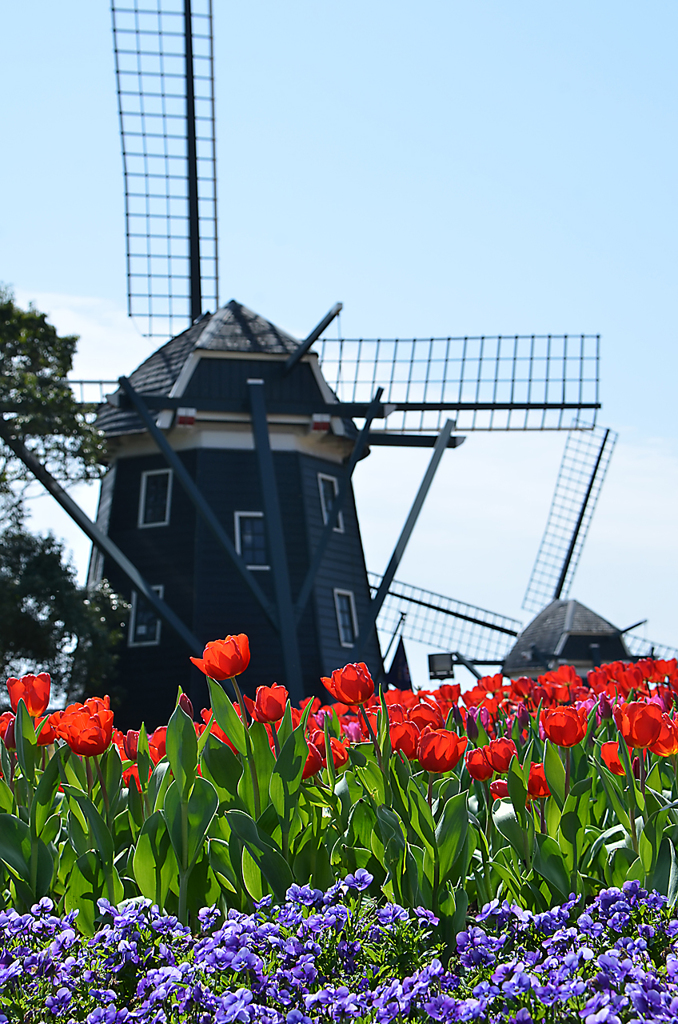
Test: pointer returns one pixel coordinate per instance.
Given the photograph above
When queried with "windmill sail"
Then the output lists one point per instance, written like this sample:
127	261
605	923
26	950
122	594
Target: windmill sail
444	623
165	78
509	382
640	647
580	478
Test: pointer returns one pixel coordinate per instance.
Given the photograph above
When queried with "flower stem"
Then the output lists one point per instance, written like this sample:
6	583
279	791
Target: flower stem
370	730
104	791
488	812
276	741
430	790
241	702
250	752
568	762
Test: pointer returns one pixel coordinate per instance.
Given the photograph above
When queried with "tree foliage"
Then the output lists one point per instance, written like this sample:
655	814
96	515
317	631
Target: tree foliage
49	623
37	403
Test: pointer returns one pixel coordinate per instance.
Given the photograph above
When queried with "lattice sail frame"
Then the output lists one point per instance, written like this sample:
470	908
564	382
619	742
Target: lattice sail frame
508	382
586	452
150	60
443	623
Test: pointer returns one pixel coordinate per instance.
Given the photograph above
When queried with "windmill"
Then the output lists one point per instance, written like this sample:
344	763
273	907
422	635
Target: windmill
228	501
564	631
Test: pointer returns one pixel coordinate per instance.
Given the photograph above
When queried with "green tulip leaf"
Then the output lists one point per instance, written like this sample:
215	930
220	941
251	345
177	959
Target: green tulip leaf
286	776
154	862
181	744
188	821
227	717
269	861
451	832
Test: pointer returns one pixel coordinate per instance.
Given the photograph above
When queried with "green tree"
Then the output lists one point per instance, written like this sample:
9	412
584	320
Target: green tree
50	624
47	621
37	403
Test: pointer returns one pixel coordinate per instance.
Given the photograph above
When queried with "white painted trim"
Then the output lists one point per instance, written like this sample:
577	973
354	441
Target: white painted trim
237	516
142	498
339	528
350	595
160	591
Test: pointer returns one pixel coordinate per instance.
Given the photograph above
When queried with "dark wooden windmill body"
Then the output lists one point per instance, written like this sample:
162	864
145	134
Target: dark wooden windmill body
147	513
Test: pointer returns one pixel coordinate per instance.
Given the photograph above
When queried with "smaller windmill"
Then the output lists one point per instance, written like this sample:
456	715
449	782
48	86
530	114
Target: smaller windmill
564	631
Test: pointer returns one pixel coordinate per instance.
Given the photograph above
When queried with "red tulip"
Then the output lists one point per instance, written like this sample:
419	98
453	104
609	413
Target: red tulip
405	738
440	749
351	684
33	689
156	744
640	724
499	753
130	744
565	726
48	733
314	761
268	704
7	729
537	786
216	729
339	749
223	659
87	731
499	789
610	754
477	765
424	714
666	743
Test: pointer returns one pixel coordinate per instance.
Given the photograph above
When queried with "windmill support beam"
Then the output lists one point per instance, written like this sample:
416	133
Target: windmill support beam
193	492
287	626
292	360
99	538
337	505
406	533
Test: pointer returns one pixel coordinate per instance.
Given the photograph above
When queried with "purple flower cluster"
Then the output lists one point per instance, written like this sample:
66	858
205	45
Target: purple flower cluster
338	956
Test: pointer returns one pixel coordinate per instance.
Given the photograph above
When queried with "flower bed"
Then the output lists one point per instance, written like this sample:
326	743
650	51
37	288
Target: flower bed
338	956
520	790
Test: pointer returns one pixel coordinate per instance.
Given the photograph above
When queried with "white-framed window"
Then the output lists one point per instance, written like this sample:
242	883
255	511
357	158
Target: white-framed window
155	498
144	622
329	488
250	539
347	620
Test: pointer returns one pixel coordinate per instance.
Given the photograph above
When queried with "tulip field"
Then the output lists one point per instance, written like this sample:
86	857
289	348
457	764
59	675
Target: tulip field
440	817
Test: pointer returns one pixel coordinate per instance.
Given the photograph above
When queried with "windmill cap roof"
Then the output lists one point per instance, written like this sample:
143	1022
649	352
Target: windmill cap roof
233	328
548	632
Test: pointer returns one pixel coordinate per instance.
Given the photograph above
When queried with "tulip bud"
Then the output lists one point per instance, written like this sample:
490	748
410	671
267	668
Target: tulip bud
604	707
10	742
471	724
186	705
523	716
485	718
130	743
457	716
636	768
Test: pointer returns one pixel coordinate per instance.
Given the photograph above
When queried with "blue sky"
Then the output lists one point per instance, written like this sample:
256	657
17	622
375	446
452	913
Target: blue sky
445	168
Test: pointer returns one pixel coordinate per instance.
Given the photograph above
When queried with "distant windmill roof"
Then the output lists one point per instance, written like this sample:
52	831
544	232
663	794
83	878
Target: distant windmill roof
233	328
564	630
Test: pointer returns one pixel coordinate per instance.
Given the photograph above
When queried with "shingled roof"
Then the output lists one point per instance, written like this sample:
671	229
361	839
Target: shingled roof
564	631
233	328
